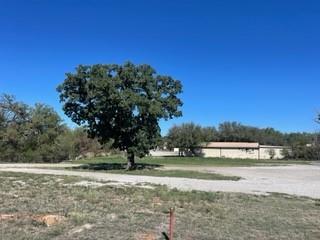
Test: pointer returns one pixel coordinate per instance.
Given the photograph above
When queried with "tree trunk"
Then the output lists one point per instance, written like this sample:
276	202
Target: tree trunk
131	163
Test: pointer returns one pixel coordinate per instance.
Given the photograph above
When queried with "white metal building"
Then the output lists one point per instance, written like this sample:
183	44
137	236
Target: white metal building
241	150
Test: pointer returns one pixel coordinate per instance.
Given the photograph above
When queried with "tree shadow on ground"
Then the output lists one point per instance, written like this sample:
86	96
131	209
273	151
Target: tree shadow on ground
116	166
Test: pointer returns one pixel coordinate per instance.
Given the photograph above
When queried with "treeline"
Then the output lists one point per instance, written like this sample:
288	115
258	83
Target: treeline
187	136
37	134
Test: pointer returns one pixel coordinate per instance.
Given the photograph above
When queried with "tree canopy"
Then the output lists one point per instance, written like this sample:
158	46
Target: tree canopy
121	102
188	136
37	134
237	132
28	133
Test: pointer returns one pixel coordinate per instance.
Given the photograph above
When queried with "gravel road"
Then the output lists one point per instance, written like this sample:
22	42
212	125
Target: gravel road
300	180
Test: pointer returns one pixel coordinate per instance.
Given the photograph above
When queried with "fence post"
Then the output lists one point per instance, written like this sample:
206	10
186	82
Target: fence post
171	223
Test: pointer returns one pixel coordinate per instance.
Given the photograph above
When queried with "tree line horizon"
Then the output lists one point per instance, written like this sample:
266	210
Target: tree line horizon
53	141
119	106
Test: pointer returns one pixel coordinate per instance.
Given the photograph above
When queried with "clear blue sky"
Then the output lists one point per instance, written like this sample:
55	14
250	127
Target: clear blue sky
256	62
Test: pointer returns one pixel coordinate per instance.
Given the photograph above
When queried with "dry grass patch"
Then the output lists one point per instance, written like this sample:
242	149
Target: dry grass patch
109	212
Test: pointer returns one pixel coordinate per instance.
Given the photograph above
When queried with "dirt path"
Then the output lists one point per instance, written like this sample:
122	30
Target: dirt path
301	180
38	165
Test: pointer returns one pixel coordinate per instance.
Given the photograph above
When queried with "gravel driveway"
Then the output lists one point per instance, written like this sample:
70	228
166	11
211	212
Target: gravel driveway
301	180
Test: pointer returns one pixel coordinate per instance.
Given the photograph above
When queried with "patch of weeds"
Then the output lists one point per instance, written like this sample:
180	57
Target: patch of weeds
70	180
55	231
168	195
78	218
89	195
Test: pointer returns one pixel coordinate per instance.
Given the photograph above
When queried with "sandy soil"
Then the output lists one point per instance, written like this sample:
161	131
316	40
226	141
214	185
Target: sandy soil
300	180
38	165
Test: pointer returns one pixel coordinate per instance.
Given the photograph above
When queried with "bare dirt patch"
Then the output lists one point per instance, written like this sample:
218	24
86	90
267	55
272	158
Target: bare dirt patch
145	236
80	229
45	219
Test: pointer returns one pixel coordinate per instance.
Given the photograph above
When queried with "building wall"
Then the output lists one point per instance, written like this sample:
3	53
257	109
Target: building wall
230	152
265	152
210	152
240	153
251	153
161	153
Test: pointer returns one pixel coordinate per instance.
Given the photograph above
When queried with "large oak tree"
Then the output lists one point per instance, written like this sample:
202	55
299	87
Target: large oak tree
121	102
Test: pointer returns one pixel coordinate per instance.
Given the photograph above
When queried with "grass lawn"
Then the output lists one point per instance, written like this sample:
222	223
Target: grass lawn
223	162
178	173
109	212
148	166
149	170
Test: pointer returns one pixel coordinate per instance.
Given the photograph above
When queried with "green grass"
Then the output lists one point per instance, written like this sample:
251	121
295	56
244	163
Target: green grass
148	166
128	212
165	173
179	173
149	169
223	162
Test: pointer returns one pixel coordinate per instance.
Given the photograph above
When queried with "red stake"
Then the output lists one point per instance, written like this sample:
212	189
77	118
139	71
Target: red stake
171	224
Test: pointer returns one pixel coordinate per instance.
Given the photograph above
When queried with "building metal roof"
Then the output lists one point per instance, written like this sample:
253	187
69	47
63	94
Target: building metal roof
271	146
231	145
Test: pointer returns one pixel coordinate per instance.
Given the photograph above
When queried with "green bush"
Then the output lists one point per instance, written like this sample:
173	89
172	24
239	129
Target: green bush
37	134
